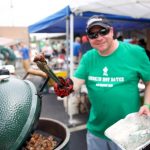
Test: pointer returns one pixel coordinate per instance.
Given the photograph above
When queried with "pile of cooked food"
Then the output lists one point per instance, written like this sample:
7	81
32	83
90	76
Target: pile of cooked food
40	142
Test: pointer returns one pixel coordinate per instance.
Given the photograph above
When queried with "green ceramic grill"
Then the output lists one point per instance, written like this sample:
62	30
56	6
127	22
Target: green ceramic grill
19	111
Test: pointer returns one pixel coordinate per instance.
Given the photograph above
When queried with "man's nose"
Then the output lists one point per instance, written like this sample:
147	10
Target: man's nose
99	36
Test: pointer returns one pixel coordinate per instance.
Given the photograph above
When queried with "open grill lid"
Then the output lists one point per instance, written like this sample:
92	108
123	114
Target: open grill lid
19	110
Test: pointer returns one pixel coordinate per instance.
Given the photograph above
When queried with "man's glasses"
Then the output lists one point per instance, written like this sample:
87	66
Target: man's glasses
101	32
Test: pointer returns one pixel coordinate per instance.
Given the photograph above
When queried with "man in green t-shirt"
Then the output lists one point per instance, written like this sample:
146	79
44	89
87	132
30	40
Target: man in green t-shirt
111	72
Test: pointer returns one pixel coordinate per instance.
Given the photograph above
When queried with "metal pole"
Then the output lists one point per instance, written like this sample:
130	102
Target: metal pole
72	120
71	44
67	43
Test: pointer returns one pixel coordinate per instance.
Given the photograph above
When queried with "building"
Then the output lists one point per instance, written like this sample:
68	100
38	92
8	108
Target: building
16	33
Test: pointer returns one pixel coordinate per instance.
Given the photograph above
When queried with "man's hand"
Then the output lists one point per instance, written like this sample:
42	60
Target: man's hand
65	89
144	110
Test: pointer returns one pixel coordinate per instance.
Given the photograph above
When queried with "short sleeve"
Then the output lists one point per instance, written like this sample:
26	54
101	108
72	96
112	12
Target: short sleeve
144	66
82	69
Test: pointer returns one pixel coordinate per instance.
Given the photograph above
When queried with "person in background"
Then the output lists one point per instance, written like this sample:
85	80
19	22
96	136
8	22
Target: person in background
134	40
120	38
76	50
9	55
142	43
25	53
61	57
85	46
112	86
16	50
48	51
62	53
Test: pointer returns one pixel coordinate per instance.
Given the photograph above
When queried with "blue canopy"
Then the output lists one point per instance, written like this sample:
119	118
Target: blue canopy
51	24
56	23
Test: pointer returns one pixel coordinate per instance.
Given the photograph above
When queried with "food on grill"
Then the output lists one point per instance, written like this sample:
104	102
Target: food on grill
40	142
62	87
40	57
65	88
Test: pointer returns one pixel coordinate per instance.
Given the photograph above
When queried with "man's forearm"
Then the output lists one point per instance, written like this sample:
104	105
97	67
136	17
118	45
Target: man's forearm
77	83
147	94
145	109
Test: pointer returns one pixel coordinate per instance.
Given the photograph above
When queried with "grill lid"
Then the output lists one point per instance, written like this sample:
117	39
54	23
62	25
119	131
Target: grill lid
20	109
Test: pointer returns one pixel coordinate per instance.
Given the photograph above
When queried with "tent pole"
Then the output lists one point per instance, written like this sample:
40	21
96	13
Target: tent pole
67	52
67	43
72	120
71	44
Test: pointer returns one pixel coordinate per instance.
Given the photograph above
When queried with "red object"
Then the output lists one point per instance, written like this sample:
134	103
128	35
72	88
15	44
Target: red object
84	39
65	89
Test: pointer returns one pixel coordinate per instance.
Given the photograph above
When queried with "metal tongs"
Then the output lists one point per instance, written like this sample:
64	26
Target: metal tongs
42	65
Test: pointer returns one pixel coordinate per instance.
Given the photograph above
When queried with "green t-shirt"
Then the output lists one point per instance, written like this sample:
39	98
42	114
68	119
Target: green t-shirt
112	84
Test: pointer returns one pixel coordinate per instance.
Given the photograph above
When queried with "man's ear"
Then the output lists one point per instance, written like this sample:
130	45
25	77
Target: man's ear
114	33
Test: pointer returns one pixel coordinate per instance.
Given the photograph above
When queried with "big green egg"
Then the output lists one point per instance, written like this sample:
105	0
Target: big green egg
20	108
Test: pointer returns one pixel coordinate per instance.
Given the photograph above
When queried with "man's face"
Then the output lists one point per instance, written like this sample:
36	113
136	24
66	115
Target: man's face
102	42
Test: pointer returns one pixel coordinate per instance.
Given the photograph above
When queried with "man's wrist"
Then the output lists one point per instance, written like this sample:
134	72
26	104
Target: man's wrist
147	105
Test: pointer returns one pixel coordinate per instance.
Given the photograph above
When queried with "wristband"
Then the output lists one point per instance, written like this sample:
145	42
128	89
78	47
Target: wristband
148	105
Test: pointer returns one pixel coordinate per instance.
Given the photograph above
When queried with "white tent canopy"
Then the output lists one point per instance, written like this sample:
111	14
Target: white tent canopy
133	8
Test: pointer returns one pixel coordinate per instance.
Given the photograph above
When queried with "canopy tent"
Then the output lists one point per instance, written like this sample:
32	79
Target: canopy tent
56	23
127	13
123	15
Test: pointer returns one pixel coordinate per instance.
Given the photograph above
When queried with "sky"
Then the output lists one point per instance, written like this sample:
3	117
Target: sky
26	12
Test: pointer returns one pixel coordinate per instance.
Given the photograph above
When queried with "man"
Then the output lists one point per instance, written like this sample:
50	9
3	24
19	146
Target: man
76	49
111	72
85	46
25	54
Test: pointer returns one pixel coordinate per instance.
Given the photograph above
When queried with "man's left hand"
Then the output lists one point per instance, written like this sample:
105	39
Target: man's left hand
144	110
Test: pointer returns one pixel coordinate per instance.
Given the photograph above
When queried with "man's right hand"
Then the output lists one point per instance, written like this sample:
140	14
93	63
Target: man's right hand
65	89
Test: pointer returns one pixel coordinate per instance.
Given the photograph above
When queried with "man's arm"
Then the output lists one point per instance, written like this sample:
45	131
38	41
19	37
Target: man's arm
77	83
145	109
